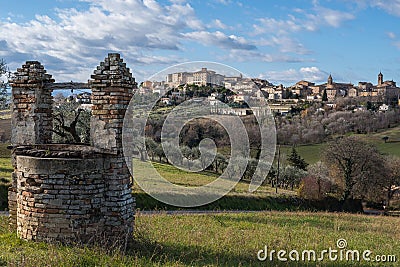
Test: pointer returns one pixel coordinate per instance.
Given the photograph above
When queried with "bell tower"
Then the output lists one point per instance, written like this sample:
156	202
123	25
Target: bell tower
330	80
380	78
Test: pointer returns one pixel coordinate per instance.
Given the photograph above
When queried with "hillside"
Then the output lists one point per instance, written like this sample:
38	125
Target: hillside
312	153
218	240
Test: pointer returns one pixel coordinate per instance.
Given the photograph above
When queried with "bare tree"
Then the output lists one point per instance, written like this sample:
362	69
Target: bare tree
392	183
320	173
357	166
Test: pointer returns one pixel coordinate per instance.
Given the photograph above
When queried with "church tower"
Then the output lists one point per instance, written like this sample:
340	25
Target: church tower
380	78
330	80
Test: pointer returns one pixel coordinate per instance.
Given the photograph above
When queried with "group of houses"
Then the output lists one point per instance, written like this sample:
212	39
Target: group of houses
279	97
384	91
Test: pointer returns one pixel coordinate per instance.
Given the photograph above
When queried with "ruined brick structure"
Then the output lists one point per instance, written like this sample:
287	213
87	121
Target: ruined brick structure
71	193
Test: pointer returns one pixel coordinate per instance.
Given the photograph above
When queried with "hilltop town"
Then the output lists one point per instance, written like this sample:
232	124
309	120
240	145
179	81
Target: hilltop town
384	93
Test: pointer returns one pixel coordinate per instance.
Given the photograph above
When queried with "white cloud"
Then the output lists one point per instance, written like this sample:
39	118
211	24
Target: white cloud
218	24
272	25
281	31
74	41
255	55
220	39
311	74
285	44
391	35
330	17
311	22
390	6
223	2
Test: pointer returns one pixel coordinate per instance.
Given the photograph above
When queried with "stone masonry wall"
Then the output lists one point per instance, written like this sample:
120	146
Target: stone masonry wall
76	197
31	105
31	116
112	89
61	199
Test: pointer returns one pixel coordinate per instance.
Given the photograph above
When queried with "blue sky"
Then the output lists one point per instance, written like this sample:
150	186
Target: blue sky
282	41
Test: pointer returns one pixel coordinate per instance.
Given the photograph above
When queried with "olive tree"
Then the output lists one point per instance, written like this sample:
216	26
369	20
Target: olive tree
4	75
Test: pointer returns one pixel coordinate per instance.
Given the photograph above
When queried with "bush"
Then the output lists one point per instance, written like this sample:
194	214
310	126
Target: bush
314	188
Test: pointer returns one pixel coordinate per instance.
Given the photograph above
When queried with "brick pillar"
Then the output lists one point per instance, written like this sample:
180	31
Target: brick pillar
32	105
112	89
31	115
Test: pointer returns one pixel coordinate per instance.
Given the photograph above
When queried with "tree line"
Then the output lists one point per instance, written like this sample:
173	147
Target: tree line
317	125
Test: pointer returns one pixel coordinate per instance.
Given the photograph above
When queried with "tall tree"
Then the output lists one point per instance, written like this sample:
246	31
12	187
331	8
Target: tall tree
392	182
296	160
317	183
356	165
325	96
151	147
292	176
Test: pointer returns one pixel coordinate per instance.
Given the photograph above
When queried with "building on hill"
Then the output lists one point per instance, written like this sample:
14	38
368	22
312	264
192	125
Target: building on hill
353	92
276	92
178	78
302	89
384	91
387	91
147	84
335	90
365	89
203	77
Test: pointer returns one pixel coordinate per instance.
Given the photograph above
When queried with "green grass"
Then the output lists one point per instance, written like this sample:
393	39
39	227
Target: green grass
392	147
217	240
5	175
239	198
310	153
4	151
5	168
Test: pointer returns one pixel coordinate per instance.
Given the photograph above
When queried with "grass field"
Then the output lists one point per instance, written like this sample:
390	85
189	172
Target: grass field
312	153
5	174
239	198
5	128
264	198
218	240
392	147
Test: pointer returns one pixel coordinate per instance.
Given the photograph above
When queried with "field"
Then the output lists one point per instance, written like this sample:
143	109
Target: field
265	197
5	127
225	239
312	153
218	240
5	174
392	147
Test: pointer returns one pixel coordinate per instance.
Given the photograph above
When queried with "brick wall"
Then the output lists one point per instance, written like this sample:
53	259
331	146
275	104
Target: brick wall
65	193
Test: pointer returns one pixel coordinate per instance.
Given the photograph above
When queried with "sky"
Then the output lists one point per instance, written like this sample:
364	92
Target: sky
282	41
